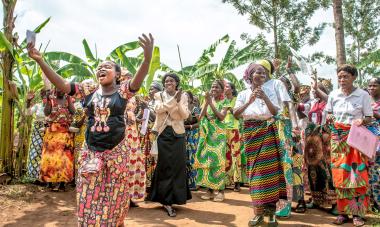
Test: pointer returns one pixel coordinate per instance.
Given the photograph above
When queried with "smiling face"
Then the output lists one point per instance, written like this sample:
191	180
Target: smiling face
216	89
374	88
258	76
106	73
227	89
345	79
152	91
170	84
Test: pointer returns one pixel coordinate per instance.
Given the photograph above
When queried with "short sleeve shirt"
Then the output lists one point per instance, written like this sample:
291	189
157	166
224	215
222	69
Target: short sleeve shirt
345	109
106	123
258	109
277	92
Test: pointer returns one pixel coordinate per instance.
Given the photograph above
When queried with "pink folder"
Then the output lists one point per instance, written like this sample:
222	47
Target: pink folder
364	140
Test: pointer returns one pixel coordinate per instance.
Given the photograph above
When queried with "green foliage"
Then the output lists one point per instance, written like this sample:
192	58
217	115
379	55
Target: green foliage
362	27
286	20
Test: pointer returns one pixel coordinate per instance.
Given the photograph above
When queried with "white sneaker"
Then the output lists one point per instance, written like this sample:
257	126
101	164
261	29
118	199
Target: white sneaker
219	196
209	195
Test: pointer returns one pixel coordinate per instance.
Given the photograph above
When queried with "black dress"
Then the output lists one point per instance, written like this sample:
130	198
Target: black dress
169	184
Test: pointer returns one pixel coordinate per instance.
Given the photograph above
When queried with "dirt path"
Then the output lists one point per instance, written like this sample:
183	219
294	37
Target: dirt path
29	205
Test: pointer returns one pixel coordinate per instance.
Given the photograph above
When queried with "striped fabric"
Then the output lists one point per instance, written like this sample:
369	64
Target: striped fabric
264	168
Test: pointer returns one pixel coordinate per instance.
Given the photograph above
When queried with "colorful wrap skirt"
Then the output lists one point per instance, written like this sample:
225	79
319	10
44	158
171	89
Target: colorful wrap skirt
35	150
349	172
192	138
233	157
210	159
57	159
103	197
264	166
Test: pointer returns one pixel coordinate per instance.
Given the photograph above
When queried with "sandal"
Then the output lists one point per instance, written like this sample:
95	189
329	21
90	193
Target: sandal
257	220
301	207
170	210
341	219
358	221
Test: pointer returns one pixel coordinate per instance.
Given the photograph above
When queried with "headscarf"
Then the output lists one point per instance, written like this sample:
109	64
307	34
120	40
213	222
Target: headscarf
267	65
248	72
156	85
326	84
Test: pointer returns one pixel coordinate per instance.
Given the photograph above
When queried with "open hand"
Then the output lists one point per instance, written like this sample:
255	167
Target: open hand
33	52
208	97
147	43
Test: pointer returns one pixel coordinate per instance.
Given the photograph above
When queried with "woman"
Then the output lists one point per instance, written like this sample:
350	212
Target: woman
79	128
147	138
57	159
192	137
169	184
346	106
317	150
374	91
35	149
137	176
233	154
102	187
286	124
258	106
210	160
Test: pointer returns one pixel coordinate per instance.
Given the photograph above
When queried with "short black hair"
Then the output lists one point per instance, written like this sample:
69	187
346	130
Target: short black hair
348	68
233	88
172	75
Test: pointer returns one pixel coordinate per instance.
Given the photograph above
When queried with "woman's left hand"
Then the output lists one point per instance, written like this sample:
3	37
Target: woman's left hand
147	43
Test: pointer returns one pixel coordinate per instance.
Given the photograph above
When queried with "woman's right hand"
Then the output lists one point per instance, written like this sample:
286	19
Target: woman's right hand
33	52
30	96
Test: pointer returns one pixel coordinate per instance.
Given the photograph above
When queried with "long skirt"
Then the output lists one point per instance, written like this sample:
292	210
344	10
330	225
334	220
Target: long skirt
192	137
103	197
317	156
150	161
264	167
35	150
210	159
233	157
78	143
374	168
57	159
349	172
292	160
137	175
169	184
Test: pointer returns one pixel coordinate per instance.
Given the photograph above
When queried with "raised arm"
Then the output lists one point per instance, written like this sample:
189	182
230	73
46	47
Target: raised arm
52	76
147	44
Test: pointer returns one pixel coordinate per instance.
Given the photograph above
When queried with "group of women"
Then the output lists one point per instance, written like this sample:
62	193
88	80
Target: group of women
163	146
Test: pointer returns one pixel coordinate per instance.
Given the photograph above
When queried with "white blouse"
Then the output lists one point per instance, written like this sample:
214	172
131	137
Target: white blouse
345	109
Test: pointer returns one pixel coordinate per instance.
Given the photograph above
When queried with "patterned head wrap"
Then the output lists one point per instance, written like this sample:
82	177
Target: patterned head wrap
267	65
249	71
326	84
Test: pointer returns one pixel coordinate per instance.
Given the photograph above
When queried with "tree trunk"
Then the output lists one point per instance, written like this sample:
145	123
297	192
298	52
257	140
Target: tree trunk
6	144
339	32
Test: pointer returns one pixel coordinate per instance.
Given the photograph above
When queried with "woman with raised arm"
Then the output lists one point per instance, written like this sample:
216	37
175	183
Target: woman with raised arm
346	106
102	187
210	160
169	183
258	107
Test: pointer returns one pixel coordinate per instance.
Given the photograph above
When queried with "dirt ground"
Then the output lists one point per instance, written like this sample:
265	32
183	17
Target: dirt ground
30	205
